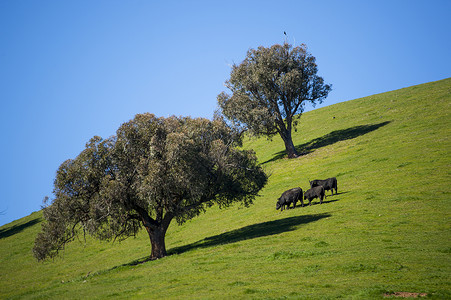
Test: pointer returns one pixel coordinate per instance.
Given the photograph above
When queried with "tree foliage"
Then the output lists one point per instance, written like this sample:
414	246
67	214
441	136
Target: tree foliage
269	88
153	171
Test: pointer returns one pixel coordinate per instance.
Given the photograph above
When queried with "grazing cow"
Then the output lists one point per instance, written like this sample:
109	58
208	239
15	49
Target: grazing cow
315	192
288	197
328	184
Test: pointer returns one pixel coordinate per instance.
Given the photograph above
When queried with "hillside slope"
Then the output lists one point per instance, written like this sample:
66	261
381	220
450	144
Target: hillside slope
386	231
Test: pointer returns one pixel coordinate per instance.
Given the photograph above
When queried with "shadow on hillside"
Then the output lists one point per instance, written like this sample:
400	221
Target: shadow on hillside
4	233
331	138
245	233
314	202
339	193
251	232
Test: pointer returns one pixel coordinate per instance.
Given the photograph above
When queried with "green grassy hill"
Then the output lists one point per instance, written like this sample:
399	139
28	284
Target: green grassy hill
388	229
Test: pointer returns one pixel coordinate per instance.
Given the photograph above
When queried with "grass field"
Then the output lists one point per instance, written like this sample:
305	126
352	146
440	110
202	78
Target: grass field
387	230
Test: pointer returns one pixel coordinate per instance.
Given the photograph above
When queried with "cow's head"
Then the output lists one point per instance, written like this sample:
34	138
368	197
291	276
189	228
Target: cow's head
278	204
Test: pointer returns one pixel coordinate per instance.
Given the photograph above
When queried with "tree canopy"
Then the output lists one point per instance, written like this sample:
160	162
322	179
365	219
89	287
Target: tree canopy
152	171
269	88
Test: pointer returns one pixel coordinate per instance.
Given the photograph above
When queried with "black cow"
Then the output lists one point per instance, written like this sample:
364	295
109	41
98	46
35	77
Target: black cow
328	184
288	197
315	192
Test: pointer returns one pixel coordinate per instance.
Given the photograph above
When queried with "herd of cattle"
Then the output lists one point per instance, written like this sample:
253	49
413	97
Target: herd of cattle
317	190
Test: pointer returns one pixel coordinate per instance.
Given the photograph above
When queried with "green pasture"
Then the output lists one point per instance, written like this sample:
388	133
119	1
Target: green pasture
387	230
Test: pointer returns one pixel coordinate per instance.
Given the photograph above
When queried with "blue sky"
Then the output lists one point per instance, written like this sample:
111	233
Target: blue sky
70	70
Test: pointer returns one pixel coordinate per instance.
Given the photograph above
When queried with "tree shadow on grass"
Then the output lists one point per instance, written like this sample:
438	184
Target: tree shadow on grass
331	138
4	233
237	235
251	232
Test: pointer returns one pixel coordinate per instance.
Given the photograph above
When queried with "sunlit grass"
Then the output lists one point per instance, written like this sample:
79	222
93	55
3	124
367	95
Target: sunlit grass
386	231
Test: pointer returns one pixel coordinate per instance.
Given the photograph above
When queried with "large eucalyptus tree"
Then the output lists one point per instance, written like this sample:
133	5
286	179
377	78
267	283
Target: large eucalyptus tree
153	171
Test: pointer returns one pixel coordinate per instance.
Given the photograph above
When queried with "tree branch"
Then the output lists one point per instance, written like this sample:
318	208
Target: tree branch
144	217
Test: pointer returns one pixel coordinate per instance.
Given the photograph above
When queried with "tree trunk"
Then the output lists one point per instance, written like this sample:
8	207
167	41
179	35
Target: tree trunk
157	241
289	146
156	228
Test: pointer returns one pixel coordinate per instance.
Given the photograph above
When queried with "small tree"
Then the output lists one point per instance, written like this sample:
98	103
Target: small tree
269	88
152	171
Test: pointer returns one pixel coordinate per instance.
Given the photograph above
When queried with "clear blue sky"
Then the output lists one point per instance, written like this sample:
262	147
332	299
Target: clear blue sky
70	70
